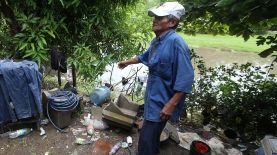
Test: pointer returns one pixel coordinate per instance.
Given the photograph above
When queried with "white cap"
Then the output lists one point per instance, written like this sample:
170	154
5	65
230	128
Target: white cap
167	8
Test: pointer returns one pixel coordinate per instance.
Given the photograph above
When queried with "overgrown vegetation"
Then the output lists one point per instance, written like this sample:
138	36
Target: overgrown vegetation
242	97
234	17
93	34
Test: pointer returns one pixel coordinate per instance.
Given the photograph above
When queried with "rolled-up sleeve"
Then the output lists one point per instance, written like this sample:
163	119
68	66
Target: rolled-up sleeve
183	70
143	58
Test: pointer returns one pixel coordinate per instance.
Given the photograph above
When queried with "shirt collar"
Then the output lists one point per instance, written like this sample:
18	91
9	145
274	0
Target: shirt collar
164	35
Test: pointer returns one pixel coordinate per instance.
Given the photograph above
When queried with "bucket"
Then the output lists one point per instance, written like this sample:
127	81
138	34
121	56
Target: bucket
60	107
199	148
100	95
61	119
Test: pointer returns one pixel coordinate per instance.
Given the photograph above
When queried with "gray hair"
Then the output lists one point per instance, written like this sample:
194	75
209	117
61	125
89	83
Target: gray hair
170	18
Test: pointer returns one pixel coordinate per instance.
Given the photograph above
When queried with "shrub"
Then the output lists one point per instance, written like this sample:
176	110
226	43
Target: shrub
242	97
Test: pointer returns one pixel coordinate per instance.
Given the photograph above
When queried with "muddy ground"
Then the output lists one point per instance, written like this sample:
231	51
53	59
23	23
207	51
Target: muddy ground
56	143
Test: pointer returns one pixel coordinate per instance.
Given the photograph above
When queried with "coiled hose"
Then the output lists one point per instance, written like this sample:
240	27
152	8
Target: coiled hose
62	101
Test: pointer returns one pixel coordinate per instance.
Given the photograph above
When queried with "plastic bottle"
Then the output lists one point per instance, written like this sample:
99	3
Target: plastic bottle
115	148
90	129
20	132
129	141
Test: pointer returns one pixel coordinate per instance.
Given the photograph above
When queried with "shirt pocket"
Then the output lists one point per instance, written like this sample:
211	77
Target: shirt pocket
164	70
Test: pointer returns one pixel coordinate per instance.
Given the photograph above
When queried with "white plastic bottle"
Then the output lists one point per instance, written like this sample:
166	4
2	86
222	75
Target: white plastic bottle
20	132
115	148
129	141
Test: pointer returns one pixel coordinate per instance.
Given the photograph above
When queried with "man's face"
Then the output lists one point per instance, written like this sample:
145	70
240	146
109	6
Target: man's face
161	24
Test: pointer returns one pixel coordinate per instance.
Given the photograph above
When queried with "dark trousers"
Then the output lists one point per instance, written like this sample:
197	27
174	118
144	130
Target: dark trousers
149	138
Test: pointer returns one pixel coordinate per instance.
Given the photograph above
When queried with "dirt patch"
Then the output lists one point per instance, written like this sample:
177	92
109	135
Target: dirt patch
56	143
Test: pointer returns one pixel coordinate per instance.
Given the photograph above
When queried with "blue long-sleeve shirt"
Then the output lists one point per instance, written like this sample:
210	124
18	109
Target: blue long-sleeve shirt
170	71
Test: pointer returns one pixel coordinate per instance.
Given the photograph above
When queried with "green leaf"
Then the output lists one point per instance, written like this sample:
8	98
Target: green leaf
223	3
51	33
20	35
24	26
43	40
271	75
23	46
40	44
42	56
29	53
65	28
268	51
62	2
33	46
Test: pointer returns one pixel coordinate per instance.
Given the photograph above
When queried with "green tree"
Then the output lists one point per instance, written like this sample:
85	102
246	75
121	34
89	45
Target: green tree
240	18
92	33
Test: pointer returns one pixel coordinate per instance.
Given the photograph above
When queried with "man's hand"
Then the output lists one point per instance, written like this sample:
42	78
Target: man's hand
166	112
122	64
168	108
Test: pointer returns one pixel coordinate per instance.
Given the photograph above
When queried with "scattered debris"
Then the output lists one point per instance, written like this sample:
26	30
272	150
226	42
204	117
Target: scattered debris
215	144
96	124
115	148
20	132
124	145
242	147
90	129
233	151
95	136
82	141
43	137
44	121
4	135
172	132
187	138
42	131
101	147
78	131
99	124
129	140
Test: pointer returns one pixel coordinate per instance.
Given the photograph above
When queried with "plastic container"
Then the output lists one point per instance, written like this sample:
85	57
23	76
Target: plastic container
115	148
100	95
199	148
20	133
61	104
61	119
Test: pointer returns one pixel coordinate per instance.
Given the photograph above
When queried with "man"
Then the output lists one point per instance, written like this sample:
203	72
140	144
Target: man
170	75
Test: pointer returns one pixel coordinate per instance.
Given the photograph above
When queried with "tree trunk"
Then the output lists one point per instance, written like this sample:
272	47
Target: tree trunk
9	14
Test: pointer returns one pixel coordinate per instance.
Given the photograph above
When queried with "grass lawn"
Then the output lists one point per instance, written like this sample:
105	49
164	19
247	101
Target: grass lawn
224	42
